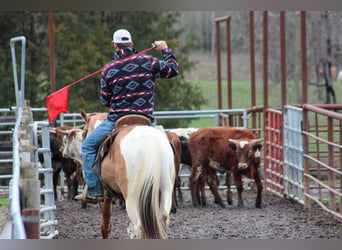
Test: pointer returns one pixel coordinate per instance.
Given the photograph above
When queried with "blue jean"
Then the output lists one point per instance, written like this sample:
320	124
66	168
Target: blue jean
89	151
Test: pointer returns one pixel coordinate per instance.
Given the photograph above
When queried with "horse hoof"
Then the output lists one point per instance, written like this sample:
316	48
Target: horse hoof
173	210
83	205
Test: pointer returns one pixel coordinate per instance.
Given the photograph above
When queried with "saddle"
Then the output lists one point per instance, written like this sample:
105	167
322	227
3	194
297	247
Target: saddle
122	122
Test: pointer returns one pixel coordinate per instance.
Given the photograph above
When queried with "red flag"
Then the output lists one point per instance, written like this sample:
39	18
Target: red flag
57	103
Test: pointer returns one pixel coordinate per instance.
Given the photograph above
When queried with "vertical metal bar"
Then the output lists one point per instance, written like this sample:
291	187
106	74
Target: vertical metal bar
283	57
52	53
229	66
252	65
52	56
22	71
318	153
331	176
305	111
218	57
340	131
304	57
19	92
265	58
265	88
18	230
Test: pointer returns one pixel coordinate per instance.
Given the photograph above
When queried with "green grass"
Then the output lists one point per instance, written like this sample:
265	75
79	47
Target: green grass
241	94
4	201
326	202
241	97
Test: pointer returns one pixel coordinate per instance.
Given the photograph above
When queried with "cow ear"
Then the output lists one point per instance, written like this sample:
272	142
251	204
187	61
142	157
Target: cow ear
73	133
257	146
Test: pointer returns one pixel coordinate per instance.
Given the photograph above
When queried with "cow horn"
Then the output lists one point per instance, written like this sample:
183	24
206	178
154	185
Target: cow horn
53	130
252	142
233	141
69	131
65	131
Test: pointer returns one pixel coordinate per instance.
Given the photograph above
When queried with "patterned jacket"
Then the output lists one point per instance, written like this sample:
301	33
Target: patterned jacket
128	82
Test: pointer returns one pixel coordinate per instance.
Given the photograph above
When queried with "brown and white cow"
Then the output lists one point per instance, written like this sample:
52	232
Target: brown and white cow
72	142
69	167
71	149
248	154
213	150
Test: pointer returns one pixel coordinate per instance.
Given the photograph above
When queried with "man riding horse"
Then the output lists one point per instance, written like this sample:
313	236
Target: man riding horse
127	87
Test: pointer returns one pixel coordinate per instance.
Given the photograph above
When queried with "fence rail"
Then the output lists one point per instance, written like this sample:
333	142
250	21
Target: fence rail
18	230
216	114
322	173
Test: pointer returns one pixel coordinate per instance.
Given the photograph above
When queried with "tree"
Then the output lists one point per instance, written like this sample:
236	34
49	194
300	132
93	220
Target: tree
28	24
83	46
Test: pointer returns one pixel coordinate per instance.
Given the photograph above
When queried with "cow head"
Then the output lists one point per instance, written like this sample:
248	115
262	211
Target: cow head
71	148
247	150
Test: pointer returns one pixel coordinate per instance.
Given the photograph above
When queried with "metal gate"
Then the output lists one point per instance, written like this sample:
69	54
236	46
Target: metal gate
48	207
293	153
274	152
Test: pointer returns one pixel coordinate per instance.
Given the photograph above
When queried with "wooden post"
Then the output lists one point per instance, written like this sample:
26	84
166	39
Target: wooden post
29	181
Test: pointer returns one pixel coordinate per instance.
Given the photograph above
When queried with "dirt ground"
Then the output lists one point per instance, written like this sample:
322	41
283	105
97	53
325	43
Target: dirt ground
277	219
4	214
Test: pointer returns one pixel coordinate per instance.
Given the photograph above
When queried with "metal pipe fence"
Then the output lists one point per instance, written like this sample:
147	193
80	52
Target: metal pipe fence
322	142
18	231
216	114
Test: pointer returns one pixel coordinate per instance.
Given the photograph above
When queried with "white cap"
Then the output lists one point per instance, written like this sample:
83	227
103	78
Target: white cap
122	36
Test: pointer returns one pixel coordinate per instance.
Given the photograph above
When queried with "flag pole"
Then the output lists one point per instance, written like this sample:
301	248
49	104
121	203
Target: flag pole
62	107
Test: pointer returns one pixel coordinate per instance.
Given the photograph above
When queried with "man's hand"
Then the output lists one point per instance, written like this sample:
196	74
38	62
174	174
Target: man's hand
160	45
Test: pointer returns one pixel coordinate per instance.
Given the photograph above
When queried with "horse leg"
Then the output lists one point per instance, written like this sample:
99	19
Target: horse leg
165	204
106	209
259	187
174	200
84	192
229	191
239	187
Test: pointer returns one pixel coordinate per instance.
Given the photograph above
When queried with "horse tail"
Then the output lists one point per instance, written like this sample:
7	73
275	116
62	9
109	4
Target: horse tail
152	226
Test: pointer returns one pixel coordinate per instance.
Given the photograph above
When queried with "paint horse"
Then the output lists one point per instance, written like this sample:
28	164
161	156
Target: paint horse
137	163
